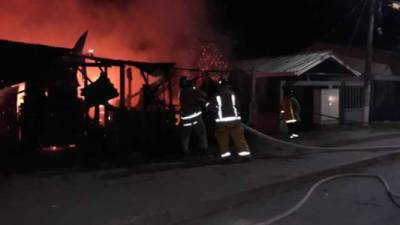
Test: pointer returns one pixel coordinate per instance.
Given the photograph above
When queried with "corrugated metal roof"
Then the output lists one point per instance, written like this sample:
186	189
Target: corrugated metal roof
291	65
359	64
384	62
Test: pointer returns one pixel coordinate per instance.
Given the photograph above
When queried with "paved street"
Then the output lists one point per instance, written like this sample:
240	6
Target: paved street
132	196
355	201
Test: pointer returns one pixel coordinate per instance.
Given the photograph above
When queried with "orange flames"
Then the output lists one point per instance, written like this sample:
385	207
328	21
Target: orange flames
145	30
142	30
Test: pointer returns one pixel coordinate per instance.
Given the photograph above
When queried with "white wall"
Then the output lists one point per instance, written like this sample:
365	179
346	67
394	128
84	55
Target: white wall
353	115
326	105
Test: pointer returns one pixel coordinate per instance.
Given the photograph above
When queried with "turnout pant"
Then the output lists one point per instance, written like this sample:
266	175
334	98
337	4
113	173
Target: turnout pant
199	130
292	128
234	130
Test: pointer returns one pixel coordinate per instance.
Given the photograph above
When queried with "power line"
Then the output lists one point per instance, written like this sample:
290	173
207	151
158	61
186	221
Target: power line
334	27
340	22
357	26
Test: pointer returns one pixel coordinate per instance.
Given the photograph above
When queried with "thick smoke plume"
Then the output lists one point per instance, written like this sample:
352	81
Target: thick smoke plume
143	30
150	30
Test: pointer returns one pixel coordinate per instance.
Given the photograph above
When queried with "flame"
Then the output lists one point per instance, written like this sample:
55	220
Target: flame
211	58
91	52
113	75
55	148
20	96
140	30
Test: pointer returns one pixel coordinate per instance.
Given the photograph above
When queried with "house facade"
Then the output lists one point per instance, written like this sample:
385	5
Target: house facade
328	89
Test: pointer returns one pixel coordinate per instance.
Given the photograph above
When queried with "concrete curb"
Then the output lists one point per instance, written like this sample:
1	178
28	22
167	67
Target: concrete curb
182	214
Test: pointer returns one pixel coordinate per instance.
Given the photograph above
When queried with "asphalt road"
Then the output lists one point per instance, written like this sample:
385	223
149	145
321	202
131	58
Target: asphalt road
356	201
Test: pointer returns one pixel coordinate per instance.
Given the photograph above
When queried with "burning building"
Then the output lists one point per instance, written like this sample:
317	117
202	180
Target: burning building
70	92
52	115
50	103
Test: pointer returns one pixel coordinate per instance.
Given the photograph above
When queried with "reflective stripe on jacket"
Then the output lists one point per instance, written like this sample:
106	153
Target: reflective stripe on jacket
225	104
190	100
290	109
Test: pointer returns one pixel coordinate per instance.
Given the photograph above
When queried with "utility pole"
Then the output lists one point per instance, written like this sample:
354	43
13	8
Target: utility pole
368	64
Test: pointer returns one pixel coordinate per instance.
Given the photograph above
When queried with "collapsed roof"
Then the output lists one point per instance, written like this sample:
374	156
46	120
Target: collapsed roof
21	62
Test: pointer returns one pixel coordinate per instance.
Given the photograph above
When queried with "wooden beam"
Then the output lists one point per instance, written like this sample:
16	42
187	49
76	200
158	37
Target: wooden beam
122	87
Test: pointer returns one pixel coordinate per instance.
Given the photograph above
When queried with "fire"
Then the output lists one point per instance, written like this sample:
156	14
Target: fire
91	52
113	75
211	58
140	30
55	148
20	96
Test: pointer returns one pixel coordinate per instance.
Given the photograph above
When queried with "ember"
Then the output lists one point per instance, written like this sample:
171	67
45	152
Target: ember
211	58
55	148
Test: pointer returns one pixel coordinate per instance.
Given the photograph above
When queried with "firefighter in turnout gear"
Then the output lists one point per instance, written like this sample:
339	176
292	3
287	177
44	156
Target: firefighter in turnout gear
228	122
191	101
290	111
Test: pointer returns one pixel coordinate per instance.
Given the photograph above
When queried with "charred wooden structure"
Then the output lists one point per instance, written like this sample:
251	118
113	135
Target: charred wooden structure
51	110
148	131
53	116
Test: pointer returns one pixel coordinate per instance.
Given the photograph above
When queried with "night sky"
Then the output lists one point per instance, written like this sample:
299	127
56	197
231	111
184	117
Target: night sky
270	28
164	30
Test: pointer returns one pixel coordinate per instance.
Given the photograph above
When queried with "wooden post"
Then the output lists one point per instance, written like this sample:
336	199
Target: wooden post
170	96
97	114
106	105
122	87
282	83
129	99
121	138
85	108
85	84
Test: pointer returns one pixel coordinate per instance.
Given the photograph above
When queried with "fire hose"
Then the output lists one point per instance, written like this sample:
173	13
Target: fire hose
392	195
316	149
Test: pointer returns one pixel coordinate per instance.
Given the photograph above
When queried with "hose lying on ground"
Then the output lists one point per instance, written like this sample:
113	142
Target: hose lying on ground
316	149
299	204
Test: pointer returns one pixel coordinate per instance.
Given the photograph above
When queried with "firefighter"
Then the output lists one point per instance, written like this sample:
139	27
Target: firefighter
290	111
228	122
191	102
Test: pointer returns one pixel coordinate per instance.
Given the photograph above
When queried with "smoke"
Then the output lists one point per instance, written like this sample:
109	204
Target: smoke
140	30
147	30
